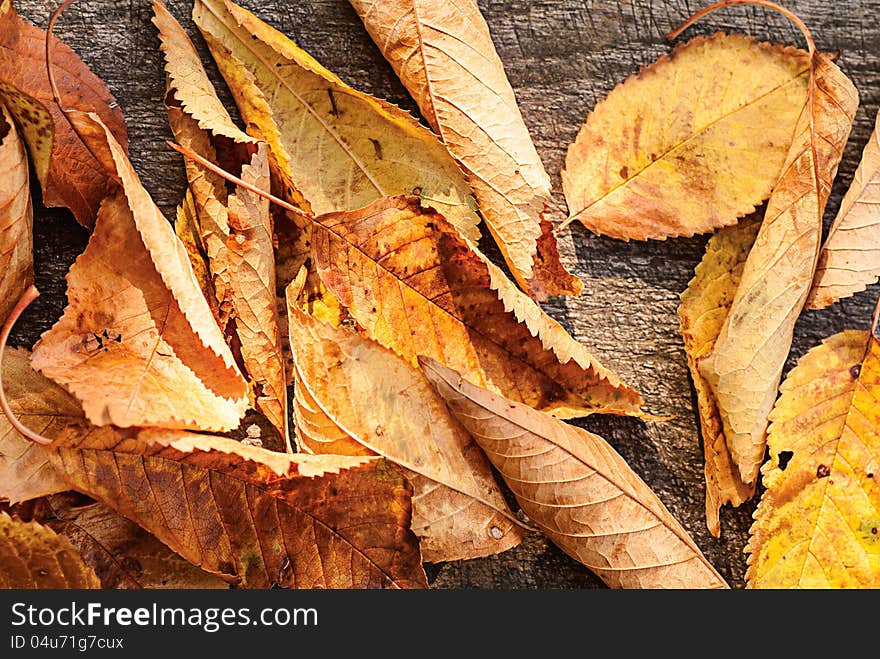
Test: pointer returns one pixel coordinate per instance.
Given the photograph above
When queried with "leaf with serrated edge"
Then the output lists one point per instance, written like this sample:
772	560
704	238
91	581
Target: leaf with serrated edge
444	55
16	217
377	400
691	143
138	344
45	408
578	490
407	277
850	258
255	517
703	308
817	523
35	557
68	173
340	148
745	365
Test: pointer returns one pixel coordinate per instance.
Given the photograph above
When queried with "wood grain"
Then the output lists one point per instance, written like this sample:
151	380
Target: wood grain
561	57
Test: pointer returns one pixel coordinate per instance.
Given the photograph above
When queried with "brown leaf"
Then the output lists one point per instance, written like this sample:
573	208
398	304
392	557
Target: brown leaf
691	143
187	228
44	407
68	173
444	55
354	391
580	491
255	517
416	287
236	230
16	217
744	368
122	554
138	344
850	258
704	306
34	556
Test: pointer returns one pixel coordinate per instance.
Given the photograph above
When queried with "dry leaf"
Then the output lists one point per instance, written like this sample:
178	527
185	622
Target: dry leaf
138	344
34	556
850	257
16	217
122	554
704	306
354	389
44	407
579	490
691	143
340	148
818	520
187	228
444	55
255	517
745	366
68	173
413	284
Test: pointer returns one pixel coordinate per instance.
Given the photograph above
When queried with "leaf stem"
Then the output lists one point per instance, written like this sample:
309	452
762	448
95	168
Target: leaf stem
767	4
27	297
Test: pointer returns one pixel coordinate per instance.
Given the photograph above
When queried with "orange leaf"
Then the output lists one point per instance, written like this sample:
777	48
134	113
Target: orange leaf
16	217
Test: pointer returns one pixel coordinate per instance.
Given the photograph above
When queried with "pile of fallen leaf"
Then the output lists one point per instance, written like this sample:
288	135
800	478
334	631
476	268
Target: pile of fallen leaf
323	276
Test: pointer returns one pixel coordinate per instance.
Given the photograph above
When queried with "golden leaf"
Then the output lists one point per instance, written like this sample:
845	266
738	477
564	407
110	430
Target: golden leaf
254	517
16	217
579	490
444	55
850	257
817	523
416	287
744	368
34	556
138	344
704	306
354	391
691	143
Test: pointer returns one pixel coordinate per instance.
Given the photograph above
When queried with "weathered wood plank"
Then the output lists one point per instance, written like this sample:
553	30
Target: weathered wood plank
561	56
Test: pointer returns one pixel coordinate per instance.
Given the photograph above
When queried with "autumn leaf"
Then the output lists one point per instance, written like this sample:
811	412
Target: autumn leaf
138	344
33	556
444	55
122	554
340	148
407	277
16	217
579	490
745	365
45	408
817	523
850	258
691	143
356	392
188	229
704	306
68	172
255	517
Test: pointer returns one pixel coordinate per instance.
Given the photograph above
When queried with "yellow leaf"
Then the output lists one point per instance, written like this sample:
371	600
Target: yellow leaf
817	523
744	368
579	490
340	148
416	287
704	306
351	388
34	556
16	217
444	55
691	143
138	344
850	258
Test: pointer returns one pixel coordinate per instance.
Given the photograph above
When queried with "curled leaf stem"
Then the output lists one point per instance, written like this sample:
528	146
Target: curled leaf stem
27	297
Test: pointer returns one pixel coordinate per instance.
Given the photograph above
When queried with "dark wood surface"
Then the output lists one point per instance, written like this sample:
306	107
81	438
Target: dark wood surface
561	57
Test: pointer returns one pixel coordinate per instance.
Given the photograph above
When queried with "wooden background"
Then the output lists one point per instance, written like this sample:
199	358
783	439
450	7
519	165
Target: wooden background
561	56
